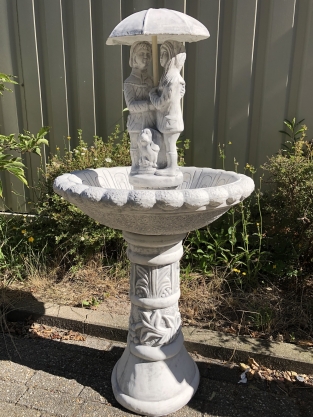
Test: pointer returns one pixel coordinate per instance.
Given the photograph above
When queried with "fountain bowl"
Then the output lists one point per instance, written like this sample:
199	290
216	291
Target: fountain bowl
106	195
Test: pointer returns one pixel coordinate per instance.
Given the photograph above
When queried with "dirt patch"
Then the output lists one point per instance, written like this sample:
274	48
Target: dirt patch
281	314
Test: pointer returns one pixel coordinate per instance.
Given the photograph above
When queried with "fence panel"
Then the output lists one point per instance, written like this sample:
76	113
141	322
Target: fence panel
254	70
9	119
54	69
276	73
201	84
240	82
32	109
305	105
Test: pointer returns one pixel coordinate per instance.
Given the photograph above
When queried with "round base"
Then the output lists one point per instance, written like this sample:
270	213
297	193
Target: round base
155	388
155	181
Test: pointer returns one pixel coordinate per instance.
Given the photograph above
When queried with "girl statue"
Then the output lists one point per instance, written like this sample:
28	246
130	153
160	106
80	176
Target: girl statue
166	99
136	91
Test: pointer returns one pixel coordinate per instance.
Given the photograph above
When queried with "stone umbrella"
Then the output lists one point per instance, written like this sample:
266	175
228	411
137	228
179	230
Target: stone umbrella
157	26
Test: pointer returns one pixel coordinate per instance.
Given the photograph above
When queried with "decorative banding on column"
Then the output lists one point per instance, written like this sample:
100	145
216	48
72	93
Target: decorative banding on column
158	353
157	241
155	303
173	254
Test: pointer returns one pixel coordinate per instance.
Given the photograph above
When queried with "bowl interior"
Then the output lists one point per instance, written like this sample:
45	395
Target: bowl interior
118	177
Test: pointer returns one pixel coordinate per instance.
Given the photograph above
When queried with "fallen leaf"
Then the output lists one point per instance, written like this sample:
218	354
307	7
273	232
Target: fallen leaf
250	374
253	363
243	366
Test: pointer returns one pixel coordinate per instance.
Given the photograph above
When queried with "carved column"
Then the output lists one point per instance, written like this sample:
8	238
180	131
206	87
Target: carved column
155	375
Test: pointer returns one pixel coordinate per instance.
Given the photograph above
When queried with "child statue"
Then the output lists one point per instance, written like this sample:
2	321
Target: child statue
166	99
136	91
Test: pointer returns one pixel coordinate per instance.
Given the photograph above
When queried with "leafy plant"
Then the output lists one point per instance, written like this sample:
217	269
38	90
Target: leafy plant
5	79
295	130
66	230
234	242
263	319
93	303
289	207
25	142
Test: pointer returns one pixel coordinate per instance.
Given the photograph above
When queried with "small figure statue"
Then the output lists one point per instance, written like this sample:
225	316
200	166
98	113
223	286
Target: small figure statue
136	91
148	151
166	99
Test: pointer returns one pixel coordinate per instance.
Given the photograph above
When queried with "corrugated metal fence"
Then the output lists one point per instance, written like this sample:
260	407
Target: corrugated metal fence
254	70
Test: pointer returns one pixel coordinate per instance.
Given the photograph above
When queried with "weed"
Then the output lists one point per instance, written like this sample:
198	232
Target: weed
262	320
24	143
93	303
234	242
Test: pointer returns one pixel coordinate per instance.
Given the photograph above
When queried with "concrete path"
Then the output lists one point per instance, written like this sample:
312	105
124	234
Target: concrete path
45	378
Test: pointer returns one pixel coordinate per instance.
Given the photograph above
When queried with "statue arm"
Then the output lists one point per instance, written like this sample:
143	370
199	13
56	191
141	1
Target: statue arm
133	105
160	101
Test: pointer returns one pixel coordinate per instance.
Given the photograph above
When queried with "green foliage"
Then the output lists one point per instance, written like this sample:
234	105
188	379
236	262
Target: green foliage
93	303
182	147
295	131
65	230
263	319
271	233
25	142
233	242
288	206
16	249
4	78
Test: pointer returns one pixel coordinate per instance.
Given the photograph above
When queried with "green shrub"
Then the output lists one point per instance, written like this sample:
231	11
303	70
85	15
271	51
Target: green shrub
270	235
65	231
25	142
234	242
288	207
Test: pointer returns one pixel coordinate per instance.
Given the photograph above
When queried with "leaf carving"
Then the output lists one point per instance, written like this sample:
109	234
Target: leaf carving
142	284
151	330
164	285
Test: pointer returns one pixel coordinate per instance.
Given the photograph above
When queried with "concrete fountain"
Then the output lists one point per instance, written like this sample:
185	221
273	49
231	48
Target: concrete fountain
155	203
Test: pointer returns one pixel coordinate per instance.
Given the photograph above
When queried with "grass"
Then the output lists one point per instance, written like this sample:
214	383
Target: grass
207	302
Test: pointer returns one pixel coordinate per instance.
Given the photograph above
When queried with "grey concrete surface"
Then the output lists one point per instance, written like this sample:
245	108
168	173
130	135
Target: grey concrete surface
47	378
283	356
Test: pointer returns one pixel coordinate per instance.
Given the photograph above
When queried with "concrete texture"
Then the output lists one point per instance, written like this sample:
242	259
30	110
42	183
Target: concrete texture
283	356
48	378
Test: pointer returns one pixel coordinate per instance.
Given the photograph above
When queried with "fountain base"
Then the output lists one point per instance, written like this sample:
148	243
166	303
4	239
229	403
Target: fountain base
155	388
155	181
155	375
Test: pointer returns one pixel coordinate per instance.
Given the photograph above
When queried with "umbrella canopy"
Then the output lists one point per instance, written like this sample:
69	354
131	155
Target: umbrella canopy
164	23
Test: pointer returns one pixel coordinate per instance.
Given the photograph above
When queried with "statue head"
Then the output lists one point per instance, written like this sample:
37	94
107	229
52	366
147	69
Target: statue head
145	137
140	55
169	50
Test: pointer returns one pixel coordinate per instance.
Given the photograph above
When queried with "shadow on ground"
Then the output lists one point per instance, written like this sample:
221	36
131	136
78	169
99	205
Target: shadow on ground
219	393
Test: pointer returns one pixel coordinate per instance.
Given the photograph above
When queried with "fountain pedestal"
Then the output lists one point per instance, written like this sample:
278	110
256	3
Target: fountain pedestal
155	375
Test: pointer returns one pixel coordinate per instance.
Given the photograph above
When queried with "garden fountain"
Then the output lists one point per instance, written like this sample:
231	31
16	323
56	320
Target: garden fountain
155	203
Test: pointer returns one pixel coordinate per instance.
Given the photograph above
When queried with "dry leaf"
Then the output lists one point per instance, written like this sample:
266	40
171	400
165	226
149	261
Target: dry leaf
243	366
250	374
253	363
